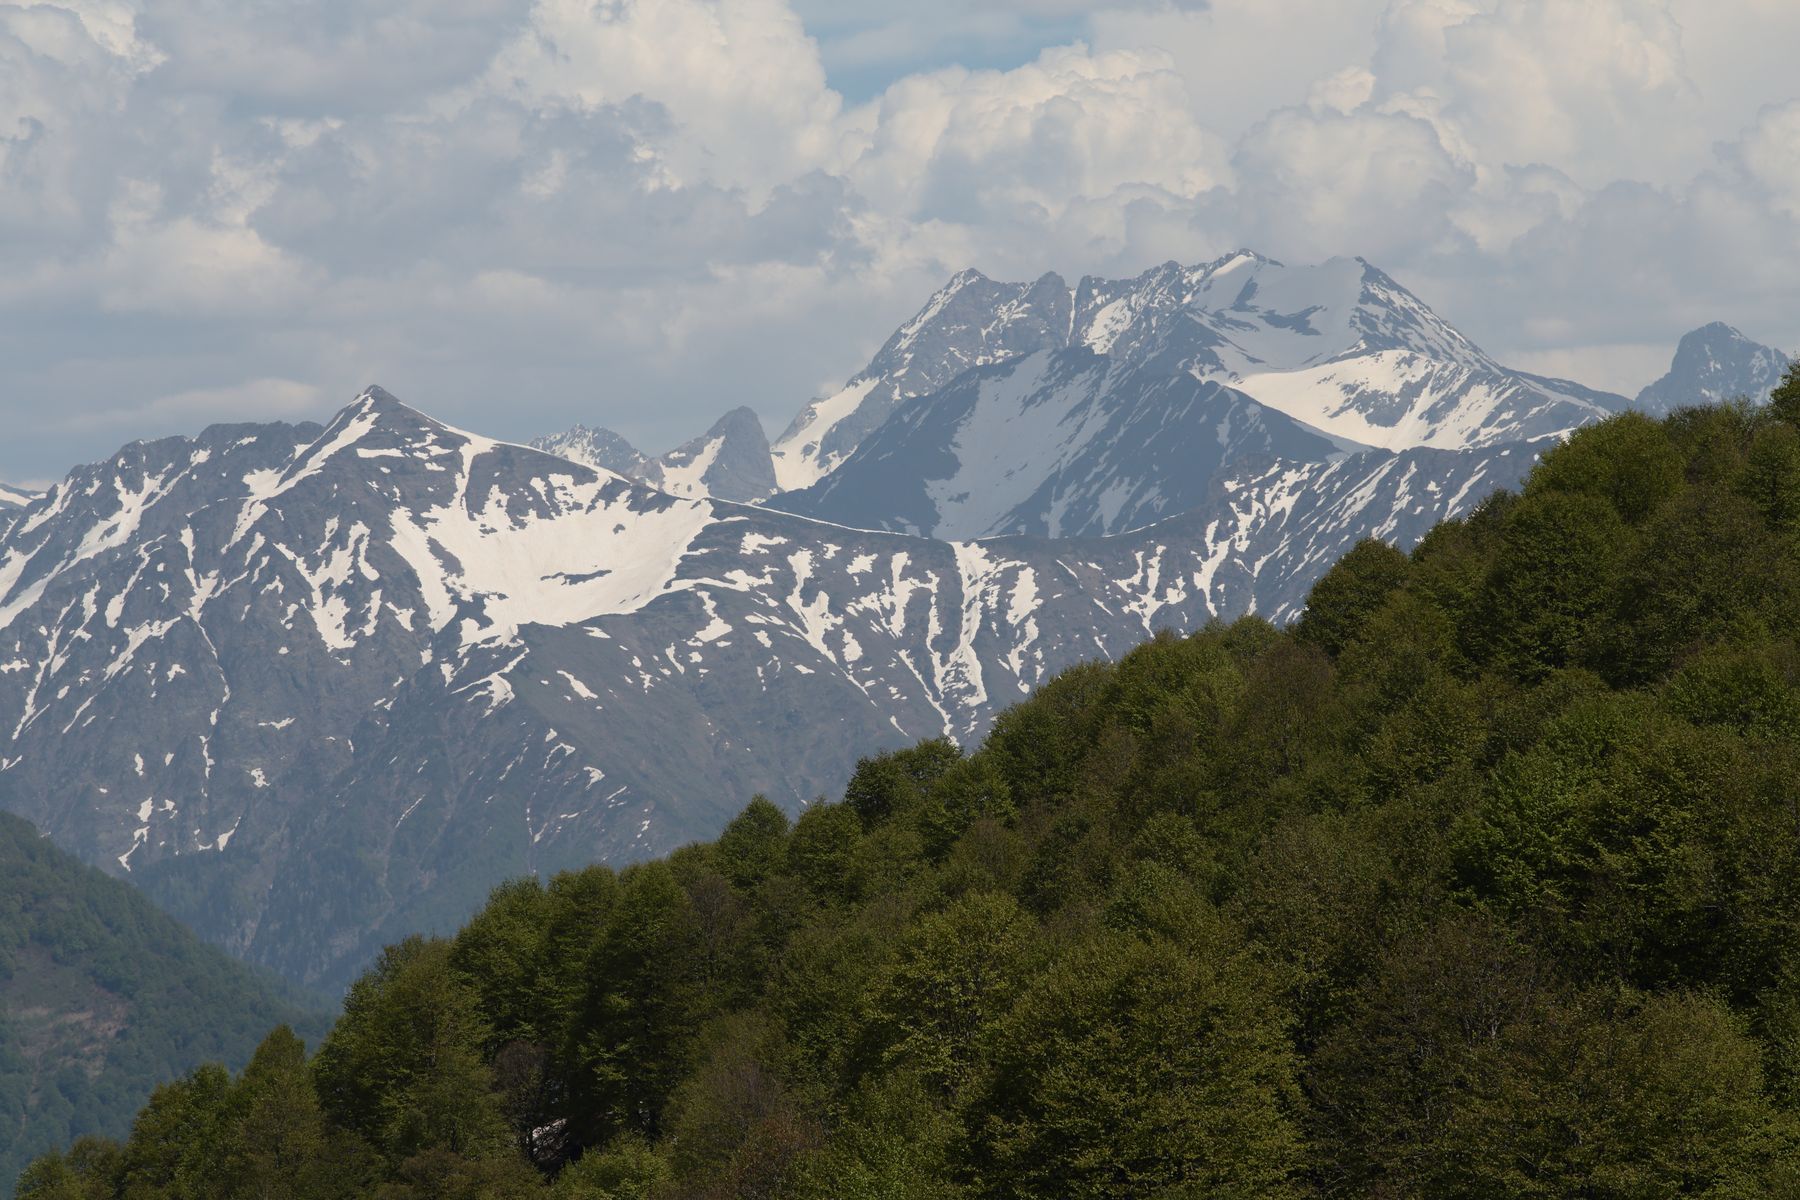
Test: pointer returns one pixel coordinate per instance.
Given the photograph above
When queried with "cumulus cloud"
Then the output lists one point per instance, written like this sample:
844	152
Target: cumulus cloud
971	147
1319	182
523	213
1769	154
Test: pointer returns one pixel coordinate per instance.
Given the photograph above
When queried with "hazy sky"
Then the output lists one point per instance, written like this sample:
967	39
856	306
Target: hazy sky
641	213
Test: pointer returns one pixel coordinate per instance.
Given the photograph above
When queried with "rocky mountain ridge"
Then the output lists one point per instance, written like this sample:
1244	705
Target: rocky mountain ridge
314	687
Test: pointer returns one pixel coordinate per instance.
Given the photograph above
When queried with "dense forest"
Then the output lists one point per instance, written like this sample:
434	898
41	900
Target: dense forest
102	997
1481	880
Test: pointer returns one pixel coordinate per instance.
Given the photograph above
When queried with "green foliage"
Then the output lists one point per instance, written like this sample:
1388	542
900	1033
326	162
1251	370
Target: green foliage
1483	880
1784	401
1138	1067
1627	461
102	997
1350	593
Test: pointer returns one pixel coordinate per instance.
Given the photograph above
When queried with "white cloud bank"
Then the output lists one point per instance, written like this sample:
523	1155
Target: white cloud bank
523	213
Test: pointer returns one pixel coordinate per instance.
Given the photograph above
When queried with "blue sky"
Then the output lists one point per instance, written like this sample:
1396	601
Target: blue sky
520	214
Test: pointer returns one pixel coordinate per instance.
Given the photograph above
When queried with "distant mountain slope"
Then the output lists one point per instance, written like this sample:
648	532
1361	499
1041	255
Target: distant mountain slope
1063	443
730	461
1340	347
102	997
599	448
1713	364
13	502
973	321
314	688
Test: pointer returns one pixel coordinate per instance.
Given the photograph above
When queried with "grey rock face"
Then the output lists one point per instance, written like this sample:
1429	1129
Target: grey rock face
316	688
1713	364
13	503
972	322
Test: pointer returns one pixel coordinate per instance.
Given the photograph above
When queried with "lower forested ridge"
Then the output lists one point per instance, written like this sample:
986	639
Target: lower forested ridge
1481	880
102	997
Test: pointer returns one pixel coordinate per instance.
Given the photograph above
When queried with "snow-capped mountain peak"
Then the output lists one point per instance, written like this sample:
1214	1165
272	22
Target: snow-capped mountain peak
730	461
1712	364
971	322
1340	347
599	448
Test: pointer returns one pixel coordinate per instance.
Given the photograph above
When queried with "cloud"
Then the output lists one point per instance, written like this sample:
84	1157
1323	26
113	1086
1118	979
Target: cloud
1318	183
963	146
1769	155
319	57
740	81
251	400
1596	88
1242	59
523	213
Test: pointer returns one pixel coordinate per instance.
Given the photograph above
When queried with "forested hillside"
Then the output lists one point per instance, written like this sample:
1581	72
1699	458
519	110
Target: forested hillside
1482	880
102	997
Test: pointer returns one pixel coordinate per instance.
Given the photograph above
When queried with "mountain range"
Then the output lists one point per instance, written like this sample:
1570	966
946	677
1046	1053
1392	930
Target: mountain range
316	687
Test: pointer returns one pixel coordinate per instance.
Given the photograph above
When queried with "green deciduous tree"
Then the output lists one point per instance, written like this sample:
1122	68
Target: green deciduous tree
1139	1067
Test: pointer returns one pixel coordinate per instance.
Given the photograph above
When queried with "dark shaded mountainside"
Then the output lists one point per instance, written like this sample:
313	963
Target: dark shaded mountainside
102	998
1482	879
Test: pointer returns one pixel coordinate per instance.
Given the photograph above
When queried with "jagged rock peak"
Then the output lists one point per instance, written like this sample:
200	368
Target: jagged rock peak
1712	364
730	461
594	446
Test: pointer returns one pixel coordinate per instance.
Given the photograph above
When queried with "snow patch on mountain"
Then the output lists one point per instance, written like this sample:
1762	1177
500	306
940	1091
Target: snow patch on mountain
15	498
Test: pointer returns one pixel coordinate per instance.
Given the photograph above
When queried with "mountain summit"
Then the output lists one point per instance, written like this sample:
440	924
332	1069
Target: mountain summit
1714	363
601	449
1339	347
1098	409
730	461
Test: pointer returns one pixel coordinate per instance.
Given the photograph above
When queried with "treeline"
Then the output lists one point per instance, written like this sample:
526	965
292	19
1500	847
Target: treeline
102	997
1482	880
